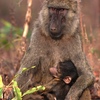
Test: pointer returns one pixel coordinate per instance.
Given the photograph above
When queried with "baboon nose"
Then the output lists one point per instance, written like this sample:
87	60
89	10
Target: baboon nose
53	29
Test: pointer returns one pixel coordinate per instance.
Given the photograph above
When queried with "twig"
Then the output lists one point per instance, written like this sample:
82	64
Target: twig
27	18
22	43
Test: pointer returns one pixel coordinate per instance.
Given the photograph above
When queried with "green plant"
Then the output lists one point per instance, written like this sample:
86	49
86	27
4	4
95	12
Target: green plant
9	33
17	92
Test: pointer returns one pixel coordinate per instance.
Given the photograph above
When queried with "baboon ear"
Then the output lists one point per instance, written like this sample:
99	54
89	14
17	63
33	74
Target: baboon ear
67	79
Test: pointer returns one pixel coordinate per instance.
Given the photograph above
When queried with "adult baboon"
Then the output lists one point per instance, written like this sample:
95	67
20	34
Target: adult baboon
55	38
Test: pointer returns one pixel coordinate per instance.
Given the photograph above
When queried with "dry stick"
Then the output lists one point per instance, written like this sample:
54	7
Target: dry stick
85	34
91	47
86	41
26	25
22	46
27	19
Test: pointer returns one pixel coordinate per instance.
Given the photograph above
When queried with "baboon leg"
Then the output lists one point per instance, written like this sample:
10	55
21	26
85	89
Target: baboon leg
86	95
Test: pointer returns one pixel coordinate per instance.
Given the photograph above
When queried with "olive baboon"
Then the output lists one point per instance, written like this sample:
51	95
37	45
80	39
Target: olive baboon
55	38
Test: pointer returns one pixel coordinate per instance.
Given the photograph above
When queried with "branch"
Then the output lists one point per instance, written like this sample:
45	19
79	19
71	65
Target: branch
27	18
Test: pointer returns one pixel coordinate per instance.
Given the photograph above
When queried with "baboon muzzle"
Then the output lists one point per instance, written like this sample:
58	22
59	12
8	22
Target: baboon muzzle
55	26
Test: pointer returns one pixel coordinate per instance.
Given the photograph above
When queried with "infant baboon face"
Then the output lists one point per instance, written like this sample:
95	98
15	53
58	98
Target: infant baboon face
65	71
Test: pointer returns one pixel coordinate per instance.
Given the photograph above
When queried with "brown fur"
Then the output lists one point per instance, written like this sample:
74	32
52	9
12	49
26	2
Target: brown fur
6	71
45	52
86	95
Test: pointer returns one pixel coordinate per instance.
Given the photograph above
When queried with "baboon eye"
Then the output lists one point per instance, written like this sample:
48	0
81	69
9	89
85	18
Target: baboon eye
53	9
62	9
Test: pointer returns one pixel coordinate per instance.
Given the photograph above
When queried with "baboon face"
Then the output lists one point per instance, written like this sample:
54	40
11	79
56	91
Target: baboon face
59	18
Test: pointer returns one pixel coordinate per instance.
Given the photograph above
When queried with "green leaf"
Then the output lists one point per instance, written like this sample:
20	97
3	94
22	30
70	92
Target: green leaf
35	89
7	24
1	83
23	70
40	88
1	92
17	92
33	67
26	69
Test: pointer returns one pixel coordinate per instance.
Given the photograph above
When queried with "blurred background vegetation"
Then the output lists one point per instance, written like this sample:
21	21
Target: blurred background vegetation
12	17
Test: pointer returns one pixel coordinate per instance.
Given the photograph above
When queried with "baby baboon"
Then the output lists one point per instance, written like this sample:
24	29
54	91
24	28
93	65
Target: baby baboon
67	73
55	38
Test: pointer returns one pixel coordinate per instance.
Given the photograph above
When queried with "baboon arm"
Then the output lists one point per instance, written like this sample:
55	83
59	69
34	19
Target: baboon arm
85	79
24	77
